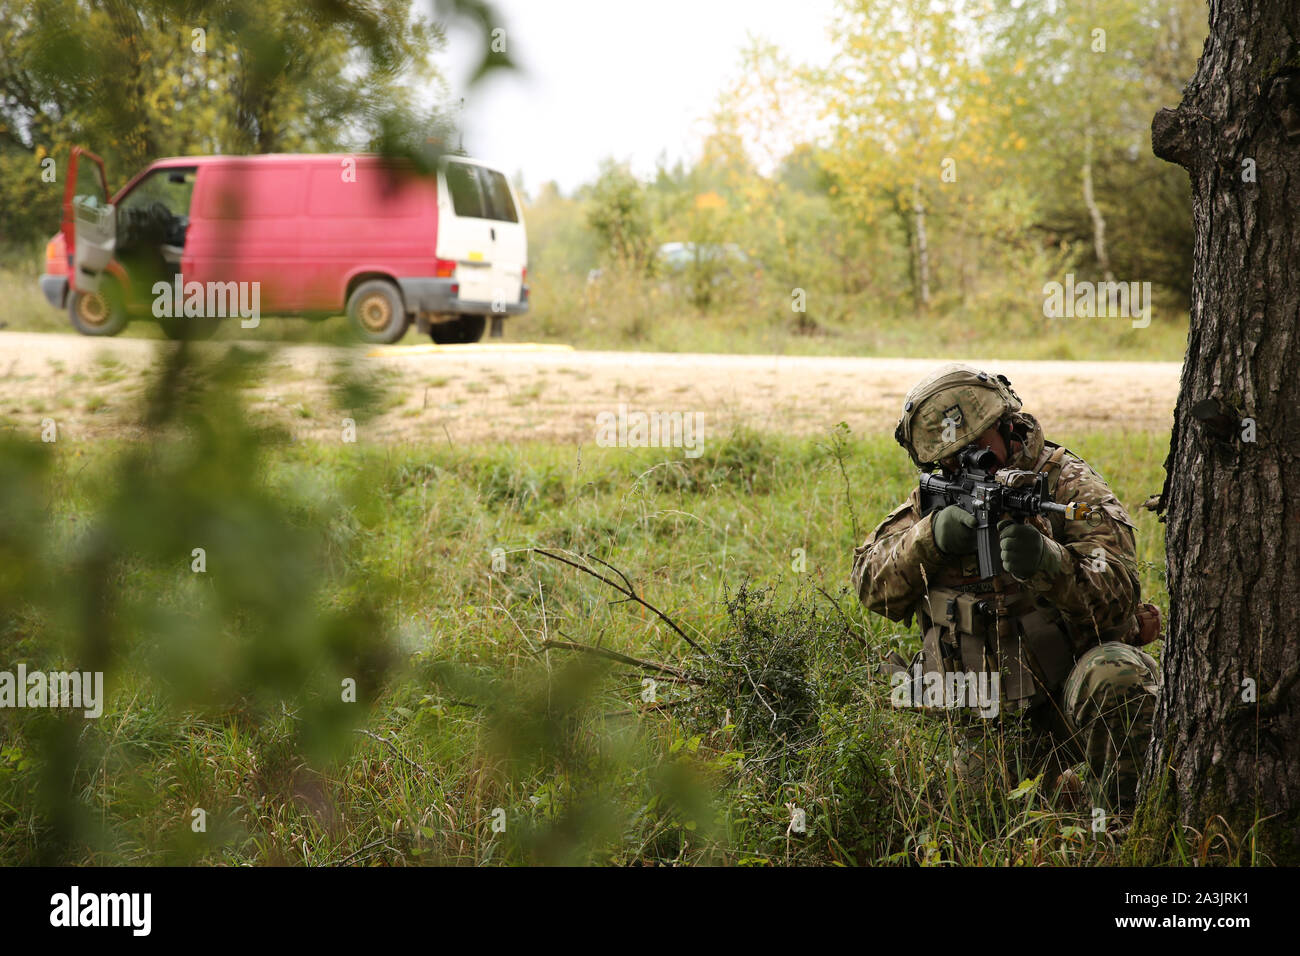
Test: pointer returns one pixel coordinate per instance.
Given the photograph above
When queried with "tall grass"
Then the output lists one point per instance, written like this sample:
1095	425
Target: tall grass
754	315
488	742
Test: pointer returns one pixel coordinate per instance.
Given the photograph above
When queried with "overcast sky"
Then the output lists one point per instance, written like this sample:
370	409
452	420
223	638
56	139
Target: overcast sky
610	78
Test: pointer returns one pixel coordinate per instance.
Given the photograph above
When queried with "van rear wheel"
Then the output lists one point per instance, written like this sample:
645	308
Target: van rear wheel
377	312
459	331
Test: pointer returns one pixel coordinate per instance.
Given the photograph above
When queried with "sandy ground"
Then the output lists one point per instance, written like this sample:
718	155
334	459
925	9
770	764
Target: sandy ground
511	392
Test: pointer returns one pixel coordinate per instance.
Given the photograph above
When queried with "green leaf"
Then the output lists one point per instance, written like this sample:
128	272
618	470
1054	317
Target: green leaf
1026	787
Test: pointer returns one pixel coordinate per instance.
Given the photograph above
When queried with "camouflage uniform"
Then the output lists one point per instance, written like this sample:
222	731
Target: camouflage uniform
1070	663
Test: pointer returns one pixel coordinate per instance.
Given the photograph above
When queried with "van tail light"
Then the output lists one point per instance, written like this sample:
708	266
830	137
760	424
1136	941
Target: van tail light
523	274
444	268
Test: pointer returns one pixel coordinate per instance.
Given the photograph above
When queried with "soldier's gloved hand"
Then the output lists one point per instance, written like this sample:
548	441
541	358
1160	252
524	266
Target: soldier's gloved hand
954	530
1025	551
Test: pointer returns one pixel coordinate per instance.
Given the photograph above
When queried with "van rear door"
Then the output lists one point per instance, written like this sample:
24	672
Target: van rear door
465	229
510	245
89	220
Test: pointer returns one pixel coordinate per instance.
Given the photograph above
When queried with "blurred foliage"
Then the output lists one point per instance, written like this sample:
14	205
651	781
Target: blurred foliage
221	601
237	601
137	81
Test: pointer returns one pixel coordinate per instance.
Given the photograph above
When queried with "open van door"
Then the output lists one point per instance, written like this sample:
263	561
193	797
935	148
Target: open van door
89	221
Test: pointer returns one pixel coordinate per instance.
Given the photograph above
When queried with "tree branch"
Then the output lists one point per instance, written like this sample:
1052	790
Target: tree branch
674	672
627	591
1171	139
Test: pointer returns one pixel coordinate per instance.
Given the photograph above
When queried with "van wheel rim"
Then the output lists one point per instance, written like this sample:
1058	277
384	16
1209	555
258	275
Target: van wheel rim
375	313
93	309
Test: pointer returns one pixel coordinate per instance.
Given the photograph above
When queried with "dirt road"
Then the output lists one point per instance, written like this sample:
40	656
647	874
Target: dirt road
510	392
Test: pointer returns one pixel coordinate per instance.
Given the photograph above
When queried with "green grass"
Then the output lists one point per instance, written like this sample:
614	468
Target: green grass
622	313
645	315
477	715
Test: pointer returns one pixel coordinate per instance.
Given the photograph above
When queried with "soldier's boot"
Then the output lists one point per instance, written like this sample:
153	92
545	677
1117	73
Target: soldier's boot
1069	791
1109	699
1050	756
978	763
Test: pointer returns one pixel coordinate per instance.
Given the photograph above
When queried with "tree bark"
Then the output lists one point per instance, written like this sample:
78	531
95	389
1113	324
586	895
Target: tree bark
1094	211
922	250
1224	759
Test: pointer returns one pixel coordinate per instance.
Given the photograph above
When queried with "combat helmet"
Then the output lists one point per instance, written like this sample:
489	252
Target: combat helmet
962	399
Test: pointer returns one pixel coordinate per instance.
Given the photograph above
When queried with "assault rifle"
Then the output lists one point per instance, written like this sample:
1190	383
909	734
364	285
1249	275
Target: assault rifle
989	494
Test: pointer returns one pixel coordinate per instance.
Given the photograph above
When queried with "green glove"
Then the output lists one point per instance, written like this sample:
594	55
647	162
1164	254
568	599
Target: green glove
1025	551
954	530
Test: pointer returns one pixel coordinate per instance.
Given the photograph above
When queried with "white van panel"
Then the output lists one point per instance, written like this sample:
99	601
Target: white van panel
481	227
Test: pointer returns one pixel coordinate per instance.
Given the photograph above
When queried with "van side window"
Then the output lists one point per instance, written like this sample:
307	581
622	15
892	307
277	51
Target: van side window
90	191
156	210
501	205
466	192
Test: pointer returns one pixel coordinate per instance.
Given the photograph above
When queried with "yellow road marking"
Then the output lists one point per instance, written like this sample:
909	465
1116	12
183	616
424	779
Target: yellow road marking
396	351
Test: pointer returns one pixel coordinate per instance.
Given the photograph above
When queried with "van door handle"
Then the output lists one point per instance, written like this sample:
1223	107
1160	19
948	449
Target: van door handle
494	234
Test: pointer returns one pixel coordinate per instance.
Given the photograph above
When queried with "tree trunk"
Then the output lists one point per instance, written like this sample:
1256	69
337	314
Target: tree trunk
908	224
1226	752
922	250
1094	211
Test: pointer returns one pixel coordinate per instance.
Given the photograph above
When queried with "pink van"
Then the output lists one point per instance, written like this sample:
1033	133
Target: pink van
196	240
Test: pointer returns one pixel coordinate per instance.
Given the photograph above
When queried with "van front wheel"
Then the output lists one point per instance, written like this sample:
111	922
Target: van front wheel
377	312
98	313
459	331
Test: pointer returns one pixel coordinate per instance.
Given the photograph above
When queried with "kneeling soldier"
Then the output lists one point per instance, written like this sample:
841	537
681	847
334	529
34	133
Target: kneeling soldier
1060	627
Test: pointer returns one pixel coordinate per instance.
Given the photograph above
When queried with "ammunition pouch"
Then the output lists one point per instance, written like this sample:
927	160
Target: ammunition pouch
961	636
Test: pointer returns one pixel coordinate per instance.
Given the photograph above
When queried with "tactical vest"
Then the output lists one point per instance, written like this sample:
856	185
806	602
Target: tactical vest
960	630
